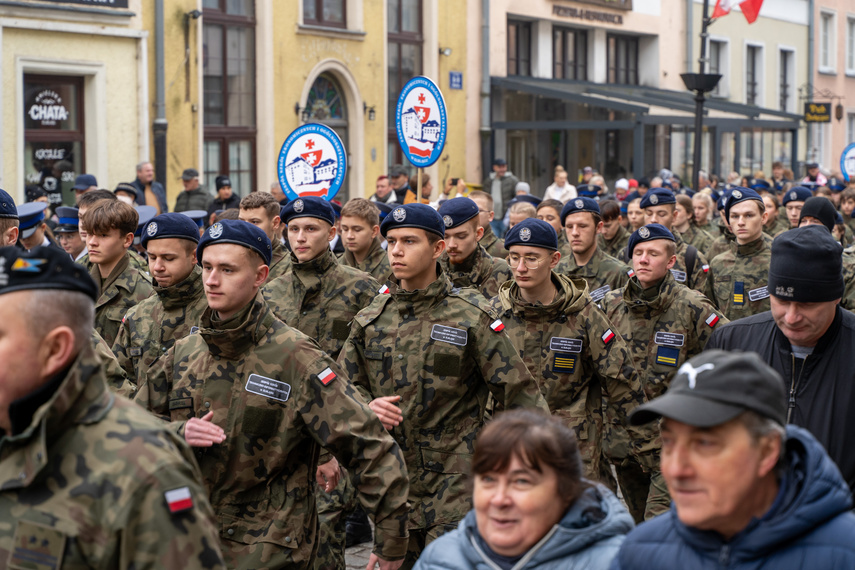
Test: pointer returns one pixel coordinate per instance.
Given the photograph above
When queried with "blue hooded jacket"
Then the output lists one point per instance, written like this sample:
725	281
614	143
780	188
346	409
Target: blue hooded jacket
808	526
588	537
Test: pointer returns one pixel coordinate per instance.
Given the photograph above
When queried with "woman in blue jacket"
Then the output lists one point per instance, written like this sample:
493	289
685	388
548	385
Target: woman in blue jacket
532	509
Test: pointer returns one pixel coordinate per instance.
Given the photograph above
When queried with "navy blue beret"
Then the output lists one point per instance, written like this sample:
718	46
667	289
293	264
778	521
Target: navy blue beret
579	205
796	194
43	267
533	200
308	207
385	209
30	214
419	216
336	209
588	190
812	186
739	194
722	201
759	184
649	232
69	220
534	233
237	232
144	215
779	184
836	185
657	196
457	211
198	216
7	206
171	225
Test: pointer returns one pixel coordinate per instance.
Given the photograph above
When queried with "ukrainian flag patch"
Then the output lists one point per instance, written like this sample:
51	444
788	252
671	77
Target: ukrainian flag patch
564	363
739	293
667	355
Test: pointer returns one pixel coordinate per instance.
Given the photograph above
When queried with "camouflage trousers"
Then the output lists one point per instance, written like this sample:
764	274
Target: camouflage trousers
333	508
420	538
645	494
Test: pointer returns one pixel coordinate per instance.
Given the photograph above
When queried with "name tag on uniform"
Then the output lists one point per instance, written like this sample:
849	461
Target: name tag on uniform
268	387
450	335
598	294
559	344
758	294
669	339
679	275
135	351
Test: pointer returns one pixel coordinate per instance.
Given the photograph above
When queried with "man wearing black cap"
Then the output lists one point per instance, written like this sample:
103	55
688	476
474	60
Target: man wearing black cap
68	232
664	323
567	342
603	273
84	183
193	197
88	479
747	493
259	399
808	338
426	355
738	283
151	327
465	261
224	199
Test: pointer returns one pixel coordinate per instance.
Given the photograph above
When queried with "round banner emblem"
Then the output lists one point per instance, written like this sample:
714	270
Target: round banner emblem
216	230
152	229
421	121
643	232
847	163
312	162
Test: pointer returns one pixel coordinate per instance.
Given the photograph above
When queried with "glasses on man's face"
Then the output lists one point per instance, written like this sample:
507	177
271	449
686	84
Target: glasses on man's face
530	260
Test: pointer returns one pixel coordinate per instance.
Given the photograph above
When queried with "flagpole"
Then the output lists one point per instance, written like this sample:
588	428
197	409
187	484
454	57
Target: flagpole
419	187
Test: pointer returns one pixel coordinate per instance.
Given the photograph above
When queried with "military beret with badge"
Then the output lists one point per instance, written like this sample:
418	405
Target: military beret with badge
457	211
739	194
43	267
796	194
171	225
419	216
532	232
577	205
649	232
237	232
657	197
308	207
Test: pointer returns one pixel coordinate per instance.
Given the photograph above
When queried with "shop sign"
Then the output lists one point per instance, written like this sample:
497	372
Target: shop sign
590	15
48	109
817	112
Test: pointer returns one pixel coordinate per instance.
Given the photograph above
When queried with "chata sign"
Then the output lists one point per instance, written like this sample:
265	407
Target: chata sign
312	162
421	121
847	163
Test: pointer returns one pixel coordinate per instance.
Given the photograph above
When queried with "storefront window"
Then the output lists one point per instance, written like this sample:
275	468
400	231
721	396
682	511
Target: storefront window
53	134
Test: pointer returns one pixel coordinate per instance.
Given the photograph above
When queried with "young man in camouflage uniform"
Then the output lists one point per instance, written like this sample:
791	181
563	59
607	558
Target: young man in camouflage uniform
89	480
319	297
465	262
567	342
793	201
774	225
726	240
360	231
550	212
689	232
426	356
109	227
261	209
614	236
582	223
489	241
738	284
150	328
84	203
664	323
258	399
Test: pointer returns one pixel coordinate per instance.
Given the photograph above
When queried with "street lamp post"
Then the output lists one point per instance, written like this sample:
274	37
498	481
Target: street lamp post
701	83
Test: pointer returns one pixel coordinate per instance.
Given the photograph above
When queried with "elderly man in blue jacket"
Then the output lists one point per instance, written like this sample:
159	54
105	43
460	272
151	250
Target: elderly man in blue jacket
746	491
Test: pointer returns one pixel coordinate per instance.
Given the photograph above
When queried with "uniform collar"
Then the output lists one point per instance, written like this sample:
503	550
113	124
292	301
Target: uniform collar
372	259
234	337
751	248
183	293
472	269
653	297
421	299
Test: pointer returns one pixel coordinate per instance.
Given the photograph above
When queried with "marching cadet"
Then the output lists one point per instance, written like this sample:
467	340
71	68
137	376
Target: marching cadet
690	268
88	479
567	342
262	210
774	225
489	241
793	200
726	241
614	236
702	206
582	223
360	230
689	232
738	283
85	201
550	212
664	323
426	355
320	297
8	220
109	227
465	261
151	327
258	399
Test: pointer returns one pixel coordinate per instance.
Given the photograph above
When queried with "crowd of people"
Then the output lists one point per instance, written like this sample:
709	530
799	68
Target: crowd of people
646	377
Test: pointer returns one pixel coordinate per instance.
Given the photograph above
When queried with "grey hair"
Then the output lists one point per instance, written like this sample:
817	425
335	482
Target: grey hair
141	164
759	426
57	308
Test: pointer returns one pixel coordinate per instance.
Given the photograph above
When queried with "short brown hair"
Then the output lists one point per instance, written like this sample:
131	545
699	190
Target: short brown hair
481	194
229	214
108	215
686	202
88	198
521	207
848	194
264	200
362	209
550	203
8	223
538	440
609	210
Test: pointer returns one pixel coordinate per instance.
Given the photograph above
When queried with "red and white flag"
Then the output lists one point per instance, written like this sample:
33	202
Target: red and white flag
179	500
750	8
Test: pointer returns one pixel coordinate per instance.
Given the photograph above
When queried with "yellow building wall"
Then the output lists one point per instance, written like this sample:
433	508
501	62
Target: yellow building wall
457	155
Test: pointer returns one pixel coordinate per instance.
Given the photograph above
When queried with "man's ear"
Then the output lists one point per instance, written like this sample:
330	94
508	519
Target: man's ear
56	351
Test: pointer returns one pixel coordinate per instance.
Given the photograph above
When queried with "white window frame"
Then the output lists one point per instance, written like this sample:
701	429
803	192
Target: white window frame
827	43
761	72
791	92
849	46
722	90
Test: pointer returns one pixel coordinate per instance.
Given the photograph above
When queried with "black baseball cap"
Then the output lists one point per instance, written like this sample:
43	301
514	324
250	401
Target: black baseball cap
715	387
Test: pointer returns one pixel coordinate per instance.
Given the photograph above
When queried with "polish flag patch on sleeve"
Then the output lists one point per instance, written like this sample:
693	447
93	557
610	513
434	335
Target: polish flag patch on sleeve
608	336
179	500
326	376
497	325
706	268
631	273
712	320
384	290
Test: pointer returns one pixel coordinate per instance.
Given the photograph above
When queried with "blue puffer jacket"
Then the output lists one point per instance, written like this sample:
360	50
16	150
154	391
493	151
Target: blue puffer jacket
808	526
588	537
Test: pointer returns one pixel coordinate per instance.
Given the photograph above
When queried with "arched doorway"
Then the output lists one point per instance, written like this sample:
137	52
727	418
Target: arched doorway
326	104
